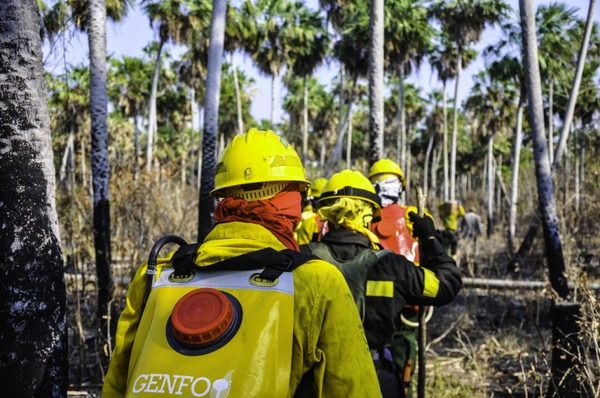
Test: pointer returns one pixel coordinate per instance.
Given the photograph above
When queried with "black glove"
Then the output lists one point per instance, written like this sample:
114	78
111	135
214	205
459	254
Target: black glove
423	227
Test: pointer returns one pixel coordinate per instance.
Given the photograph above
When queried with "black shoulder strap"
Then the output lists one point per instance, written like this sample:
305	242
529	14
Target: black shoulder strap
274	262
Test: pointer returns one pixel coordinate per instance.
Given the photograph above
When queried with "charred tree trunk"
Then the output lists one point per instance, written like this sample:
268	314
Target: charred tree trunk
545	186
99	158
211	117
445	142
33	337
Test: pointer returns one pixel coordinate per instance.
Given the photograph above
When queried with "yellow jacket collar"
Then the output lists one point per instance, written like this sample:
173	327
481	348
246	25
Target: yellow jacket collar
233	239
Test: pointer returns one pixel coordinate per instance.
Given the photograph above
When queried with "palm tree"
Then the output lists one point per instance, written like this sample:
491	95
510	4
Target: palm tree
267	24
351	49
129	87
308	44
33	342
99	156
376	63
408	37
464	21
167	15
443	60
211	117
576	82
554	26
545	186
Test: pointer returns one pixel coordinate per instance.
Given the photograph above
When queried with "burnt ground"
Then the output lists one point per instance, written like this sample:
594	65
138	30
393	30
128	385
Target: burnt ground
486	343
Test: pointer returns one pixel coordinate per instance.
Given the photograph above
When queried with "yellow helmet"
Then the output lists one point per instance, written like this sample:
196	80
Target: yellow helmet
258	165
317	187
384	167
350	184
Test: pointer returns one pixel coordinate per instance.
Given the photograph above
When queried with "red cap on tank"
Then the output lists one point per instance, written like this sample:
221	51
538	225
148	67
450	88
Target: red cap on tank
202	316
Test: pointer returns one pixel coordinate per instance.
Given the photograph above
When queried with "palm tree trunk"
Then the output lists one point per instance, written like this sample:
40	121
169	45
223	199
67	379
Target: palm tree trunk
514	187
211	117
99	158
33	341
136	148
455	129
67	157
577	166
564	134
82	155
323	150
545	186
376	99
490	186
342	127
349	142
445	141
434	168
426	171
238	97
551	121
401	134
304	119
152	109
273	99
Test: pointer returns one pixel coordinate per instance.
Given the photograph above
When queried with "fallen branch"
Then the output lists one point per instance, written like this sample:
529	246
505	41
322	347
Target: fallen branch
512	284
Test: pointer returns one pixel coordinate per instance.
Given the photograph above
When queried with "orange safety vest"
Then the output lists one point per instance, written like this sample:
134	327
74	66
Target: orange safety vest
394	234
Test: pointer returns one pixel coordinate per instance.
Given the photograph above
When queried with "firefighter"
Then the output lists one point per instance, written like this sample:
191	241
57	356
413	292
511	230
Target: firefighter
310	227
450	213
394	233
244	314
381	281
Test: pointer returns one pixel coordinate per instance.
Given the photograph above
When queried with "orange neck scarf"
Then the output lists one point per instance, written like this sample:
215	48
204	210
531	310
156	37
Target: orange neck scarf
279	214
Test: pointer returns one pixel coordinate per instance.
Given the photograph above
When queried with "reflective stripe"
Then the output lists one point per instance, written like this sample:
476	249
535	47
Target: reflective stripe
227	280
431	284
380	289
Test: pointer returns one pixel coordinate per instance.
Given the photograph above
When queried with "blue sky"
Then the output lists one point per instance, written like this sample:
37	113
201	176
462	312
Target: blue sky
131	35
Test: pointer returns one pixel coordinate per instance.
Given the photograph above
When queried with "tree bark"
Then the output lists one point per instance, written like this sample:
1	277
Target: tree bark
514	186
33	337
551	121
564	134
455	130
376	99
152	109
545	187
211	117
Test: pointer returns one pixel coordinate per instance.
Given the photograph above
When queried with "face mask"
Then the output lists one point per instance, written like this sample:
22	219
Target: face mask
389	191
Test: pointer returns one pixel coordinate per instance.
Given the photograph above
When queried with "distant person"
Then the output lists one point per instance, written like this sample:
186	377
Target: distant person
470	231
310	227
244	314
450	213
381	281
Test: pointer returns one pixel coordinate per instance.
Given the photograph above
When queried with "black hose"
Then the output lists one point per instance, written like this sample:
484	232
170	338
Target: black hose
153	259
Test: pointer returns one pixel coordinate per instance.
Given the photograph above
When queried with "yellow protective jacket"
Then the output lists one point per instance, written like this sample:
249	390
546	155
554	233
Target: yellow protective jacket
328	337
450	212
